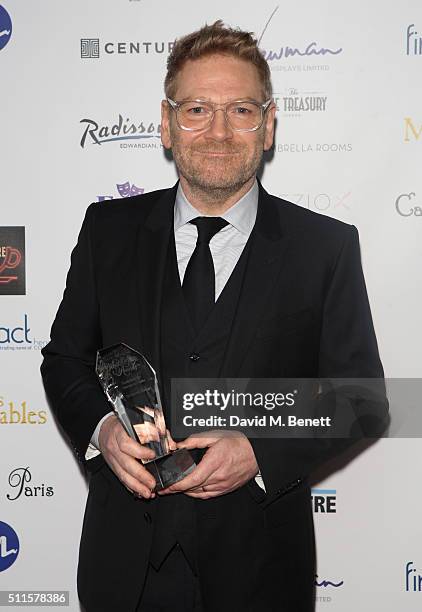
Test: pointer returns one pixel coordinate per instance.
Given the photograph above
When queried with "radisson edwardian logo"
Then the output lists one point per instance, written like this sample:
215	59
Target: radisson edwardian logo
124	130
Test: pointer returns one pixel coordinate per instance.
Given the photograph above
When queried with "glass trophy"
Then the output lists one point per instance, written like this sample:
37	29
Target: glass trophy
131	387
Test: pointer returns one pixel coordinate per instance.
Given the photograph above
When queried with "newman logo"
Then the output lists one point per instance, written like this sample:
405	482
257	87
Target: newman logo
125	190
309	50
9	546
19	481
12	261
5	27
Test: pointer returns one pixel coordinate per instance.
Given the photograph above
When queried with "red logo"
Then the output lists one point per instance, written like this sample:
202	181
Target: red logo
11	260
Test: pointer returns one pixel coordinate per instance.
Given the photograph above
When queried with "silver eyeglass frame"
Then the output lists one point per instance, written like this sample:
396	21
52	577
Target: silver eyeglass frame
262	106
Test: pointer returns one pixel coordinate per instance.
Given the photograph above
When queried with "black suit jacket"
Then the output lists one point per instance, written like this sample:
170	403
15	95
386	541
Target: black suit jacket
303	312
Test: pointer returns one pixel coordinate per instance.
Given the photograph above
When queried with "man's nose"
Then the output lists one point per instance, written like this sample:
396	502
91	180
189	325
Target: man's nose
219	129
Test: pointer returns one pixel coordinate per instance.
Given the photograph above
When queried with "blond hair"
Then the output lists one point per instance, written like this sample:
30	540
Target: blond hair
216	39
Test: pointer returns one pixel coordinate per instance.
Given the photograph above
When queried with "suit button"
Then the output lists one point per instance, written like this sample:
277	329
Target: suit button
194	357
147	517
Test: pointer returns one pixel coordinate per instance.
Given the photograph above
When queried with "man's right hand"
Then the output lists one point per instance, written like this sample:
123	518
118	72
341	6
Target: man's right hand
121	454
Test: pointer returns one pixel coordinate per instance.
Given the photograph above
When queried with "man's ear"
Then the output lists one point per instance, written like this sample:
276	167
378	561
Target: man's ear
165	124
269	127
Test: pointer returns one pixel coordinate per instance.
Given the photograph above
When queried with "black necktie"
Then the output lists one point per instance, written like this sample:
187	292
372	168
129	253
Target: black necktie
199	279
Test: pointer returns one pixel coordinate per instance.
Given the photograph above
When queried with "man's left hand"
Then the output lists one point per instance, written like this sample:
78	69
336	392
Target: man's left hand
228	464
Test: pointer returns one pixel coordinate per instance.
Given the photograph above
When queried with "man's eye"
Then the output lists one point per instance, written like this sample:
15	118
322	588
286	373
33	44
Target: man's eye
196	110
241	110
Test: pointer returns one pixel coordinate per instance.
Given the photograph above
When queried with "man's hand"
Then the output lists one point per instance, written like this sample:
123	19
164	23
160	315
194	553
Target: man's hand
121	454
228	464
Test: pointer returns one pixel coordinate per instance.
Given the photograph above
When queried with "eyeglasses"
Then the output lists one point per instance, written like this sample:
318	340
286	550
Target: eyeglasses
240	115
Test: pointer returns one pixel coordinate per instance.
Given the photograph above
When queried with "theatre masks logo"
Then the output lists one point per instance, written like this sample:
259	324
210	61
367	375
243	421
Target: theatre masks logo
125	190
12	261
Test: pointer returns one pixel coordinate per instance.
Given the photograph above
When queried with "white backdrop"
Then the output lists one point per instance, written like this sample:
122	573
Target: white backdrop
356	157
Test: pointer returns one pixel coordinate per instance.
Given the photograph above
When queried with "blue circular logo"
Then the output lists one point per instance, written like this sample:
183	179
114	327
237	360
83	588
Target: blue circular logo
9	546
5	27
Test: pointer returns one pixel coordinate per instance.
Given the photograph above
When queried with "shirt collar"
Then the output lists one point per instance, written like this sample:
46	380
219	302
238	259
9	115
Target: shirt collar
241	215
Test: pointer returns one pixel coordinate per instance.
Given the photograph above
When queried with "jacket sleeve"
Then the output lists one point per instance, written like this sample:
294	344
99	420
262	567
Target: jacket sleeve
68	368
348	350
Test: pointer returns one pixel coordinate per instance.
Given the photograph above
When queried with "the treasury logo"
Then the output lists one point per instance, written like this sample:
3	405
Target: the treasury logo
413	41
125	190
294	103
12	261
22	486
20	413
324	501
412	129
91	48
125	131
279	55
9	546
408	205
5	27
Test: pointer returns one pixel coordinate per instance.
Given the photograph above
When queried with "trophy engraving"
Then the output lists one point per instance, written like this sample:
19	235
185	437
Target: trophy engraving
131	386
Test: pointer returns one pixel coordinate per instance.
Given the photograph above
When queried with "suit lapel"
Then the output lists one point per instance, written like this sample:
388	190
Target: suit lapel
152	243
265	260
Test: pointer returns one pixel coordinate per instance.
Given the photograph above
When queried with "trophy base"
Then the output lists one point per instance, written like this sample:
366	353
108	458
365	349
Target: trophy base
170	468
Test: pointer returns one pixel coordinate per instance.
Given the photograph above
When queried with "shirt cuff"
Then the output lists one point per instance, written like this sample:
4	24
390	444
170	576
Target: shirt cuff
260	482
94	447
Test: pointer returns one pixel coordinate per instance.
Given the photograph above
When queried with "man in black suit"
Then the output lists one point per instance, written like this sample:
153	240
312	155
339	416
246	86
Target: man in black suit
267	289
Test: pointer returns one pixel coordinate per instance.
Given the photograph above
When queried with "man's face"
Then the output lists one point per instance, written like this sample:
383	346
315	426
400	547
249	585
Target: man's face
217	157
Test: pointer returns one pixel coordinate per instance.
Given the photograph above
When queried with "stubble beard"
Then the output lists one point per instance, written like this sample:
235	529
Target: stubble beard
214	180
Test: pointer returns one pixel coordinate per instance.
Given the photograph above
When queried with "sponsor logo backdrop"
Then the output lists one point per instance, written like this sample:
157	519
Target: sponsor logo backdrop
81	124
